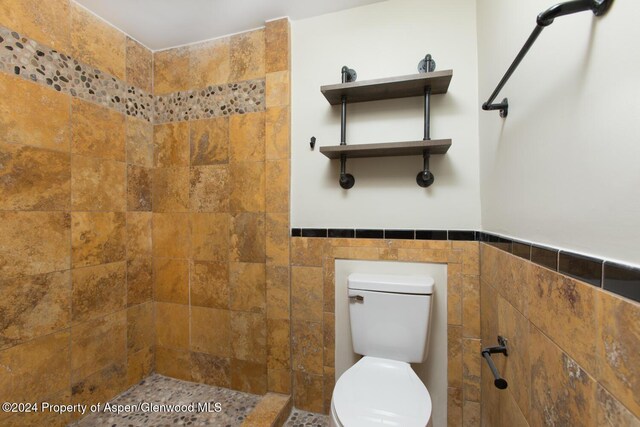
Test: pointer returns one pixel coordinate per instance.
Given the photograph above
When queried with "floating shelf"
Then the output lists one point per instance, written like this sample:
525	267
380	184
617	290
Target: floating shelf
387	149
388	88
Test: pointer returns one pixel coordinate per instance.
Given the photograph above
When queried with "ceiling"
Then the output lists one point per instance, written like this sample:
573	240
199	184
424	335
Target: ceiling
161	24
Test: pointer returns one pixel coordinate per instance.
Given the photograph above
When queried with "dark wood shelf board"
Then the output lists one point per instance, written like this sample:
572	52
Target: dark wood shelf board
387	149
388	88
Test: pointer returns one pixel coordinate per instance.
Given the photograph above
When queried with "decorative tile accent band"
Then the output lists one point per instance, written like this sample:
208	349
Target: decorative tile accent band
616	278
32	61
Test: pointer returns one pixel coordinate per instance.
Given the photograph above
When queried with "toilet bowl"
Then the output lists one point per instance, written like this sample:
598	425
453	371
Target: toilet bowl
380	392
390	320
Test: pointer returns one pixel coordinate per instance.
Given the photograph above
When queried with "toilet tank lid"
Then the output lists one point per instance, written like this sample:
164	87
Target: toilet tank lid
421	285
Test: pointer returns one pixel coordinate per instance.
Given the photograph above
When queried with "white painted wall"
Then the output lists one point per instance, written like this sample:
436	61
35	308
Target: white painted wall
563	168
383	40
433	372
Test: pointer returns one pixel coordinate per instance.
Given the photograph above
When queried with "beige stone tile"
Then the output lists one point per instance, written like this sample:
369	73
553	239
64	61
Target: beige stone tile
278	89
278	344
139	231
565	310
248	55
171	235
470	257
31	114
211	331
454	349
307	251
209	188
308	392
172	325
209	236
470	413
247	285
209	63
33	419
34	306
247	187
34	179
171	144
268	411
247	137
209	141
618	349
34	243
454	294
279	380
504	271
277	45
97	131
250	377
471	306
454	407
140	328
98	343
139	280
307	347
97	43
471	369
100	386
139	66
612	413
278	292
249	336
424	255
47	22
209	284
139	188
277	238
98	238
247	241
139	142
211	370
278	133
277	189
562	393
171	189
489	318
175	363
516	329
329	331
329	383
171	280
98	290
171	70
306	293
329	285
140	365
97	184
34	370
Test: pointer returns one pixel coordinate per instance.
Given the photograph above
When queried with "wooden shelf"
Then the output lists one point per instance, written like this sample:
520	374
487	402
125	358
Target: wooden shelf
388	88
387	149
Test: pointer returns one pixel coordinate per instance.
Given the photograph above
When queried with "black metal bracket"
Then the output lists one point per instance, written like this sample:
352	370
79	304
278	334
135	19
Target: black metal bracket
346	179
546	18
498	381
312	142
425	178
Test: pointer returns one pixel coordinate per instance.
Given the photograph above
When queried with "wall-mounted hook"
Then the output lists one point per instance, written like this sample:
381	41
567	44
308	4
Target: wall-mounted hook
425	178
498	381
312	142
427	65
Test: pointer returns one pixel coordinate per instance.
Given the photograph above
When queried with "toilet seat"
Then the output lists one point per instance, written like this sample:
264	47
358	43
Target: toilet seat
381	392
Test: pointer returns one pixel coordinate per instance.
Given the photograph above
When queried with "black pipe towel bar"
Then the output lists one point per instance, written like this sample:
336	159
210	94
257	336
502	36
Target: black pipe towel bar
598	7
498	381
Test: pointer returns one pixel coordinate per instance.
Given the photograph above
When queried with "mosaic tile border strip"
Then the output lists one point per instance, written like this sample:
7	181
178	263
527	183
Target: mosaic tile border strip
617	278
30	60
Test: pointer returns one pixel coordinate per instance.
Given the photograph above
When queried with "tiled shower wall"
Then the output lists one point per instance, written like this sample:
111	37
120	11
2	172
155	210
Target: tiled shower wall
221	211
76	312
573	348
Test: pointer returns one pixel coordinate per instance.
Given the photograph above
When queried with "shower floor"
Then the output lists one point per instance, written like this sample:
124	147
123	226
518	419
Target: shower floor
157	389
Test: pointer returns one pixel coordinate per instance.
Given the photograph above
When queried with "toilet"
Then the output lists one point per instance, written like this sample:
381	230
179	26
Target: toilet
390	318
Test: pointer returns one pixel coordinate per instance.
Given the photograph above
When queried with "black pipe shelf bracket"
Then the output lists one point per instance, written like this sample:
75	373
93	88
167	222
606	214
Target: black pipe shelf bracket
498	381
428	82
546	18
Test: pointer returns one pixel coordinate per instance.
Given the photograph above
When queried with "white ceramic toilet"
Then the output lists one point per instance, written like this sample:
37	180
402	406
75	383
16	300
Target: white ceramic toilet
390	318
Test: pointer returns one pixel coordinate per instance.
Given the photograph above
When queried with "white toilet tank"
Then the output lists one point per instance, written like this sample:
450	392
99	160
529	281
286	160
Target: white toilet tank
390	315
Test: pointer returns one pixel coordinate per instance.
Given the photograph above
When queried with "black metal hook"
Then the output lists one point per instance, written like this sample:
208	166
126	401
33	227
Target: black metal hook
498	381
